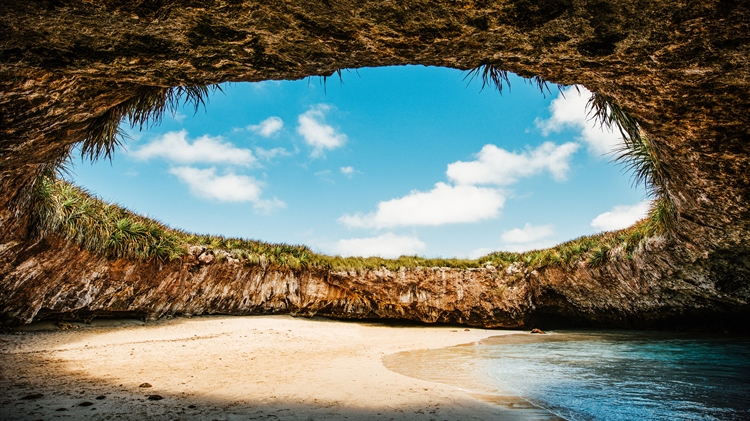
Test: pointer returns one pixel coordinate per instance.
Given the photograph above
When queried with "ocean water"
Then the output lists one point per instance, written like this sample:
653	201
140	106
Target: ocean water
601	375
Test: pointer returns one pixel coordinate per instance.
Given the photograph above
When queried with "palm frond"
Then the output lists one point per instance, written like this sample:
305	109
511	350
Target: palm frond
542	84
103	135
144	109
608	113
640	159
489	75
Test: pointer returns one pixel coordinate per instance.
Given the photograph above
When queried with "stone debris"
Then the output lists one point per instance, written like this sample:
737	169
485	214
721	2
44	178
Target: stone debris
206	258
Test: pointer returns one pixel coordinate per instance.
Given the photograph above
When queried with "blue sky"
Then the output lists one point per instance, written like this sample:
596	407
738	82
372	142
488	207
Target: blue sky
398	160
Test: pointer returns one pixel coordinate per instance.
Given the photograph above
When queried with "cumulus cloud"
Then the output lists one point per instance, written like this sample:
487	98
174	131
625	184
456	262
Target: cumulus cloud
528	234
501	167
530	237
176	147
388	245
267	127
569	111
464	200
316	133
207	184
444	204
621	216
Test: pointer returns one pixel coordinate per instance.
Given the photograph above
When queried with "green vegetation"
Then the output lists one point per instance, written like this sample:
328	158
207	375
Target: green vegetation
594	249
70	211
97	226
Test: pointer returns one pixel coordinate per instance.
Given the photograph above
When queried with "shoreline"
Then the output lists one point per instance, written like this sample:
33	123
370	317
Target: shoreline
230	367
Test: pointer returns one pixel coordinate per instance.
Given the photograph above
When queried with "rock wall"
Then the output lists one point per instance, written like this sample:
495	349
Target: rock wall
51	278
680	68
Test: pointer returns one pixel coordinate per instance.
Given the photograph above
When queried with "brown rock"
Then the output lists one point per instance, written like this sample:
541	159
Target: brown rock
145	385
206	258
536	330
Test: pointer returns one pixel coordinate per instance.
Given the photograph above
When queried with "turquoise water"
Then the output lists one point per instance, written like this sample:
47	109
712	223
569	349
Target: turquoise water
595	375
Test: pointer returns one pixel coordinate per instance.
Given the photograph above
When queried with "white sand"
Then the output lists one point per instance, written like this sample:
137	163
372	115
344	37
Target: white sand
262	367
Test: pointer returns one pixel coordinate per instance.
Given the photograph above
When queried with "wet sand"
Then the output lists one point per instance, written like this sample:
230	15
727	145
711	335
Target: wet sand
227	368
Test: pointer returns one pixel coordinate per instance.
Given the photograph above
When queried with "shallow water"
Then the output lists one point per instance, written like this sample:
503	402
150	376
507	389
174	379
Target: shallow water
596	375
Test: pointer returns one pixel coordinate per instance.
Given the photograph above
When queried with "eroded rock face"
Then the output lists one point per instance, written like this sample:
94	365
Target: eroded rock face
681	69
51	278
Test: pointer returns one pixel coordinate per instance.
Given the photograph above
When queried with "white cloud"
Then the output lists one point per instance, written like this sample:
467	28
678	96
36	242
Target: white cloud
178	117
530	237
498	166
317	133
477	253
349	171
269	154
226	188
267	127
266	206
621	216
388	245
569	111
528	234
176	147
444	204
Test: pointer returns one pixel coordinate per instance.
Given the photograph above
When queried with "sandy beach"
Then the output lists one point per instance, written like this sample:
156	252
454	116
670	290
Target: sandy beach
234	368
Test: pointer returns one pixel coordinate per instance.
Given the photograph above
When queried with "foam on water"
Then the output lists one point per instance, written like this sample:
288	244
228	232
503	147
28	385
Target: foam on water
595	375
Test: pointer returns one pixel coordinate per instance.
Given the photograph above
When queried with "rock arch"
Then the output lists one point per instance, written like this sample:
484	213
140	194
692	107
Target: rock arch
681	69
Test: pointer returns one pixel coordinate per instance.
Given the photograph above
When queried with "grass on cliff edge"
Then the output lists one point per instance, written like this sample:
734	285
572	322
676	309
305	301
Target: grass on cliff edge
88	221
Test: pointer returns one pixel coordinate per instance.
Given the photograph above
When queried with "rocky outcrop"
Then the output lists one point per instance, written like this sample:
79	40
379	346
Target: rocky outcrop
51	278
681	69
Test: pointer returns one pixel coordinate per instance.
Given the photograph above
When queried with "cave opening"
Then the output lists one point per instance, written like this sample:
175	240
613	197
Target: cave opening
390	161
678	70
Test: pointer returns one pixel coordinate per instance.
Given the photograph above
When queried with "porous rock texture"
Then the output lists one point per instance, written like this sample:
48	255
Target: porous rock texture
679	67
